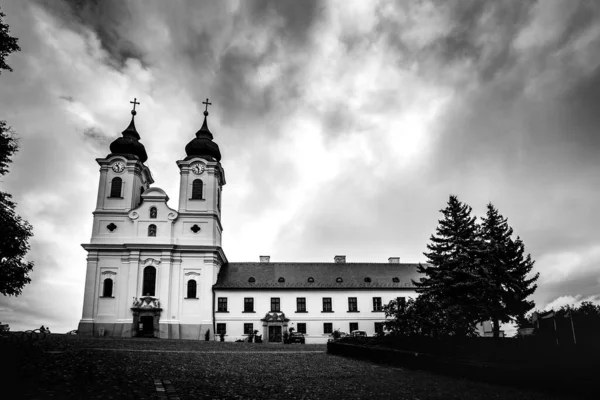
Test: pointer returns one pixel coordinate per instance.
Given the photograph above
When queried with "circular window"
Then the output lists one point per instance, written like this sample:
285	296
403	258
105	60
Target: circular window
368	280
311	280
281	280
395	279
251	279
339	280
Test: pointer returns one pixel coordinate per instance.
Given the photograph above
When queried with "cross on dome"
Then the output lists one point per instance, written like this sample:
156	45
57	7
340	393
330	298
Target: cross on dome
135	102
207	104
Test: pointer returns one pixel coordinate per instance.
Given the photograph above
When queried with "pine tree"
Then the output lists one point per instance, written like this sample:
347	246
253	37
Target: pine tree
454	279
507	268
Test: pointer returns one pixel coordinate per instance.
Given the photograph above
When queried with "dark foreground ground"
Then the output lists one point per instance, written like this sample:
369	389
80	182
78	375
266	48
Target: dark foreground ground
71	367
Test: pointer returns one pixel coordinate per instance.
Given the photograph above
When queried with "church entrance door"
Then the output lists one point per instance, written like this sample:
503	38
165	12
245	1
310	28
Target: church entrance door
275	334
147	323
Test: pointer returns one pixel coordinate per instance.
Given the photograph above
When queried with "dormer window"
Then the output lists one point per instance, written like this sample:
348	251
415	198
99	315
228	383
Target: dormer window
152	230
311	279
115	187
251	279
395	279
197	187
281	280
368	280
153	212
339	280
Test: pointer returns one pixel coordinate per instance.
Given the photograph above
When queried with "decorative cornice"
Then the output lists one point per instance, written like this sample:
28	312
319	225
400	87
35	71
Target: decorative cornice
108	273
194	273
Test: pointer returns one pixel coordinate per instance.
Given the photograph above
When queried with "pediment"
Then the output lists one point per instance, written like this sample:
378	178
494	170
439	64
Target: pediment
275	317
154	208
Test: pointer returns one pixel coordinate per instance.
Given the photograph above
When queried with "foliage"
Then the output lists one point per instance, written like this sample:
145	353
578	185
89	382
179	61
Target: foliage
506	268
454	281
14	232
426	318
8	44
568	322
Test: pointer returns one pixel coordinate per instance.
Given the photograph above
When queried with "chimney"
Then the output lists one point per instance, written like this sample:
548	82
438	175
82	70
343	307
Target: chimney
265	259
394	260
339	259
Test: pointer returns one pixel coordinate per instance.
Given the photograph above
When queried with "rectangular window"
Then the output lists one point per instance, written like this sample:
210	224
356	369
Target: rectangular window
327	304
248	329
353	326
302	327
376	303
401	302
327	327
248	304
301	304
221	328
378	327
222	304
275	304
352	304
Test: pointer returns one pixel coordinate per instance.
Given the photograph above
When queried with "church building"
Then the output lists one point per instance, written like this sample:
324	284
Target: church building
154	271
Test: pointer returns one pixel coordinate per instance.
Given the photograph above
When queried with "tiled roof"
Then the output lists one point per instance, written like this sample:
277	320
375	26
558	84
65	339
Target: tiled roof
326	275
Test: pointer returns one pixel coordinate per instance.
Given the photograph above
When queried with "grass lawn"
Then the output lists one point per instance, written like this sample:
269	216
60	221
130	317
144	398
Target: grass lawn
71	367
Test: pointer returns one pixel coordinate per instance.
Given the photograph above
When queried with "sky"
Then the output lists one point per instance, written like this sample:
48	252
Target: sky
344	127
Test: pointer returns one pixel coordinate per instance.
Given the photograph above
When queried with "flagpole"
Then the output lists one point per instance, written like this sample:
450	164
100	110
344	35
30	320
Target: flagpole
573	328
555	330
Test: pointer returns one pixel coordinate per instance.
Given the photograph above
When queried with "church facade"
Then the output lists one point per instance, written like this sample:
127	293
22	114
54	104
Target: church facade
160	272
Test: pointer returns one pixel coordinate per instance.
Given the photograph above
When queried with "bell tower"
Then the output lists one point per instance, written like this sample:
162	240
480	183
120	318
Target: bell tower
201	182
123	175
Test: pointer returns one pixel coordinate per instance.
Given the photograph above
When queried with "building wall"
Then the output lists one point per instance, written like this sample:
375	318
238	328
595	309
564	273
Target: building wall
314	317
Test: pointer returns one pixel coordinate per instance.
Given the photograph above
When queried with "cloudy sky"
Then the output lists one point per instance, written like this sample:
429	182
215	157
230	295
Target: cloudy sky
344	126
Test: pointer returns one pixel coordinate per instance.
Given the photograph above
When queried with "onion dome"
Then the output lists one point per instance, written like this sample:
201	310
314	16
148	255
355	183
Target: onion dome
203	146
129	144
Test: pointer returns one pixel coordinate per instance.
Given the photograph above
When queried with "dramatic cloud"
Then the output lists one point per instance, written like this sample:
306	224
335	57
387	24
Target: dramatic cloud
344	126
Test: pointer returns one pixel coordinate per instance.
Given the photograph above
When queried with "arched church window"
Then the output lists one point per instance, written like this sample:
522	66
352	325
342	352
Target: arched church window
395	279
191	289
153	212
219	200
152	230
149	285
281	279
251	279
115	187
107	290
197	187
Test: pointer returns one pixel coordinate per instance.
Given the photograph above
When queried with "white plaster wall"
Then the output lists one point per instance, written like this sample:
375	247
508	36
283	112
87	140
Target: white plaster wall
314	317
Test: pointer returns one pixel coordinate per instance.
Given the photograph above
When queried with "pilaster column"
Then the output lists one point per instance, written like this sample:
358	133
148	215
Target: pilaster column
90	297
